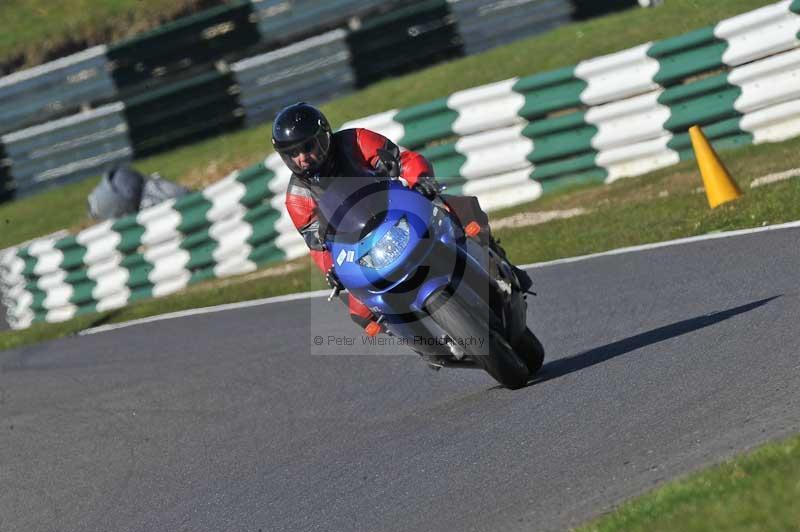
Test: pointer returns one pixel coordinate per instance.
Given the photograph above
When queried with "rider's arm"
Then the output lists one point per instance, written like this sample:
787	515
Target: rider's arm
413	166
302	210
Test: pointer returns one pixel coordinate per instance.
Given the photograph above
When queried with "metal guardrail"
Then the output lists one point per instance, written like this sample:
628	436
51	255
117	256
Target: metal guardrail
201	106
67	149
6	181
178	49
485	24
284	21
317	69
406	39
54	89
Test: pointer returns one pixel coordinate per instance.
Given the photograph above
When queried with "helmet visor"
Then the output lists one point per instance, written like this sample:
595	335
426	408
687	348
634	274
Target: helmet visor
304	157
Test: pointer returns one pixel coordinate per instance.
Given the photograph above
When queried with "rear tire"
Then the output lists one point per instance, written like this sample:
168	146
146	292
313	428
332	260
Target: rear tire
460	322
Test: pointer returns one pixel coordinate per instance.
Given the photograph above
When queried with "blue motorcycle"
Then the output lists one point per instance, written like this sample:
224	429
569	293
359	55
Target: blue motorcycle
426	273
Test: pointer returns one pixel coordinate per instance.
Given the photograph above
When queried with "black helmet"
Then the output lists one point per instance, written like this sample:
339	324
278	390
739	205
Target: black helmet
302	129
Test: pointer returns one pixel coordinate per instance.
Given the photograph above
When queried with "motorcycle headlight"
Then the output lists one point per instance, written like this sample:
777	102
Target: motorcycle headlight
389	248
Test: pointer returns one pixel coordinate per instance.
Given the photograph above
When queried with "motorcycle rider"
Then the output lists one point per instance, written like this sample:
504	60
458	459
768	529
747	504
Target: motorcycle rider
316	156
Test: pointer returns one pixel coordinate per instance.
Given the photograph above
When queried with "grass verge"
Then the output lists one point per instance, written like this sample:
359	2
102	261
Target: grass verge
757	491
659	206
202	163
39	30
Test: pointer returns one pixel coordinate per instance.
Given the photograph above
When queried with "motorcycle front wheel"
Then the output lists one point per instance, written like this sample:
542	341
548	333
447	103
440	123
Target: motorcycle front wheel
464	324
530	348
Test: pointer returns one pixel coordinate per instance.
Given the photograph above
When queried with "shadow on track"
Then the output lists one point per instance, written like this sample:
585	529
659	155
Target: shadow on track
564	366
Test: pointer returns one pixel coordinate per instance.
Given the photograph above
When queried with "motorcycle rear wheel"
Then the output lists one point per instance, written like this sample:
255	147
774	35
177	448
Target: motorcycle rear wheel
461	322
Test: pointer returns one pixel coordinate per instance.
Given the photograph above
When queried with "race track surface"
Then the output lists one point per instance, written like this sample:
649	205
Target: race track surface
659	362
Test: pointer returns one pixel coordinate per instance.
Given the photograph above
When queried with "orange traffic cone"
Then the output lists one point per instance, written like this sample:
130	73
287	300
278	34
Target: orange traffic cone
720	188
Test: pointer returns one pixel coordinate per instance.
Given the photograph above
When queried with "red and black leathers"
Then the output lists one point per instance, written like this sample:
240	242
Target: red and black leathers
351	151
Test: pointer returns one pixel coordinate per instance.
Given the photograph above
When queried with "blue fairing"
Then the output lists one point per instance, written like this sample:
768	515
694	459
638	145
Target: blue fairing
436	255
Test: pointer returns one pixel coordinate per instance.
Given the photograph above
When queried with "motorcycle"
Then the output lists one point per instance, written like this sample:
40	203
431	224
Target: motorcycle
427	276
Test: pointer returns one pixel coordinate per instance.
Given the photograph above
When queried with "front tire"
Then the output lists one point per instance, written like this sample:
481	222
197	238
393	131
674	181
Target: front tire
460	322
531	350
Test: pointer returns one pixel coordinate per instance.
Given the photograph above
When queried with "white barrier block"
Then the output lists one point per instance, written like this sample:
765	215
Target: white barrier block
172	285
494	152
383	123
767	82
638	158
773	124
111	284
63	313
505	190
759	33
487	107
225	201
619	75
630	120
114	301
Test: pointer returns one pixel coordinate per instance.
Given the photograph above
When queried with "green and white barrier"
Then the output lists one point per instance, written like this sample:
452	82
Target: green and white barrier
620	115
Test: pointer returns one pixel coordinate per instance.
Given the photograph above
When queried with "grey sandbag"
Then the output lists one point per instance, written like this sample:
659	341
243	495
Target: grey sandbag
124	191
118	193
157	189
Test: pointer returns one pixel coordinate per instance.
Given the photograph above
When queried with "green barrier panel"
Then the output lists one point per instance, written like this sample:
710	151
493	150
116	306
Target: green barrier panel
593	8
403	40
686	55
549	91
158	56
188	110
426	122
7	186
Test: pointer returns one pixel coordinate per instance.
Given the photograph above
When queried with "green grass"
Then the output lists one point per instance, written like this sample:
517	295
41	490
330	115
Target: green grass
754	492
201	163
660	206
35	30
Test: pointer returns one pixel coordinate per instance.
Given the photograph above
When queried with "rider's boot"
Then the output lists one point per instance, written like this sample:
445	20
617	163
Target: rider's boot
523	278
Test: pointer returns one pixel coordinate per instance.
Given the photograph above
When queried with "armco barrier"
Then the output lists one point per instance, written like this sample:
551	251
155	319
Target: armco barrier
67	149
176	50
6	182
485	24
511	141
317	69
406	39
286	21
175	113
54	89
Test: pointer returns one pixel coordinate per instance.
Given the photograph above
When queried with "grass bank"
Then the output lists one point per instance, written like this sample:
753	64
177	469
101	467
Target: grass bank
200	164
757	491
35	31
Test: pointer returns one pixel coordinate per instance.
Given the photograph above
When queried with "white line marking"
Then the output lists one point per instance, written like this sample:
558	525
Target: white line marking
774	178
676	242
206	310
324	293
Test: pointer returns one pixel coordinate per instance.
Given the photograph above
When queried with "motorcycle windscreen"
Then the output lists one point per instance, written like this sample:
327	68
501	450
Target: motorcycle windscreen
351	207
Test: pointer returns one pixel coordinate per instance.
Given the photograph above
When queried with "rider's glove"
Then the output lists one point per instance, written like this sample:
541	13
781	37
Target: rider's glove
388	164
427	187
333	280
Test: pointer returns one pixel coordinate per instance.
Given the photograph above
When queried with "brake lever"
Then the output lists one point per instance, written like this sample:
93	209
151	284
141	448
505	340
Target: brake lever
334	293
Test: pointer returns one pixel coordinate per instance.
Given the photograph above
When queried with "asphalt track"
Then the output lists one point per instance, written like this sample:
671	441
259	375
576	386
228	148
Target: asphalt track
659	362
